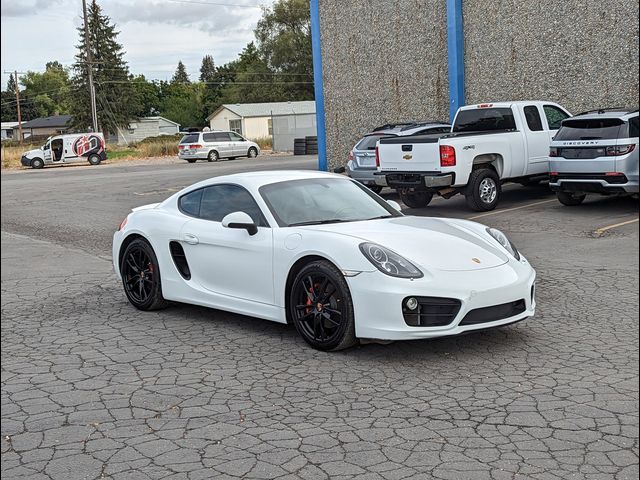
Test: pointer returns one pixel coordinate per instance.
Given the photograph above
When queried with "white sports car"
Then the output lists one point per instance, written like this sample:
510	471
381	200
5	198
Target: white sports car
322	252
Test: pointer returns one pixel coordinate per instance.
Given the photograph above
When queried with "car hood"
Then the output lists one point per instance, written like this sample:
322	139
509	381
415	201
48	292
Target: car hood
430	243
31	153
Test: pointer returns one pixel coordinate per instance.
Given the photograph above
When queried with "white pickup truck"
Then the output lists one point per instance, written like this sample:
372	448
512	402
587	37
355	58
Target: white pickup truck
489	144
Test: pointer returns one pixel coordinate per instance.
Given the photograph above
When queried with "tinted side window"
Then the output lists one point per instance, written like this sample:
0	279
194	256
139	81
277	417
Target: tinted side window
222	137
484	119
634	126
209	137
220	200
531	114
555	116
235	137
190	203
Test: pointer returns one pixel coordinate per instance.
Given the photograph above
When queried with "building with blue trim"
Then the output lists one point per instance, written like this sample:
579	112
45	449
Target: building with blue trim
379	61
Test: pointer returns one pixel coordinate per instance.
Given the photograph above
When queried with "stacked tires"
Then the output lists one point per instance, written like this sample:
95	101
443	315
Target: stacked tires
311	145
300	146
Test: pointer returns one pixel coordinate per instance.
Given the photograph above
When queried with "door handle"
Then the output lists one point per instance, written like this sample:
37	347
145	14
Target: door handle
190	239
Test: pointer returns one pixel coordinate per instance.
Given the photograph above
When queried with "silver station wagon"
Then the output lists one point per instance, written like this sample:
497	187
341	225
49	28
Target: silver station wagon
214	145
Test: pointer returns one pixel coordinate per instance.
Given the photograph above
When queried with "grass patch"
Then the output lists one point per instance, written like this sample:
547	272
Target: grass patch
265	143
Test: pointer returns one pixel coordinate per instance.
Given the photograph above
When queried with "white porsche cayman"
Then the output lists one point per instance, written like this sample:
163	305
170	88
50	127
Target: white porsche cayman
322	252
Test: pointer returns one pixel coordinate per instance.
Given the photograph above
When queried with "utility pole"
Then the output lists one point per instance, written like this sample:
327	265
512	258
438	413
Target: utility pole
15	73
92	90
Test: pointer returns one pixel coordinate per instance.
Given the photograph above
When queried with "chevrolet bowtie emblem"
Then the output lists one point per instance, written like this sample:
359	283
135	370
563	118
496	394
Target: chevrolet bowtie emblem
408	157
477	260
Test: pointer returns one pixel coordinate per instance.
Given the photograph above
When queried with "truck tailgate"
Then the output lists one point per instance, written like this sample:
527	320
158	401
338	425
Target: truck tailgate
420	153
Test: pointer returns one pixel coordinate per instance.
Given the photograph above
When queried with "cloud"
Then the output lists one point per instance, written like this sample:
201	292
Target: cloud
213	19
11	8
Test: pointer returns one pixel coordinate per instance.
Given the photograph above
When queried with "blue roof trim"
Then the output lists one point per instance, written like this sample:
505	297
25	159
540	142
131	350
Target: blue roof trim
318	85
455	48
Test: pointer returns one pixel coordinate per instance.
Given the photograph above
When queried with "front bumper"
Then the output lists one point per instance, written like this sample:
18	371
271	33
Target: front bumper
26	162
366	176
593	183
378	298
418	180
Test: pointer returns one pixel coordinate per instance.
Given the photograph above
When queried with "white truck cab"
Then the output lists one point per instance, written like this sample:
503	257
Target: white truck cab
64	149
489	144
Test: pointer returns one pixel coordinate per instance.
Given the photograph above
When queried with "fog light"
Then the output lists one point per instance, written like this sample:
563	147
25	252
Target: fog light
411	303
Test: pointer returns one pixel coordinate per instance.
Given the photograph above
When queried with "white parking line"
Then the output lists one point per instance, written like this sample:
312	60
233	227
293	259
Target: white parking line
602	230
496	212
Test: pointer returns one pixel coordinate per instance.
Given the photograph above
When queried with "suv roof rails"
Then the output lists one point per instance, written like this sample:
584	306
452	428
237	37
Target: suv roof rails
388	126
423	124
610	109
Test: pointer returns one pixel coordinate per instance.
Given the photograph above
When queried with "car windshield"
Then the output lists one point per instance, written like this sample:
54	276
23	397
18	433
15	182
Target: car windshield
369	142
316	201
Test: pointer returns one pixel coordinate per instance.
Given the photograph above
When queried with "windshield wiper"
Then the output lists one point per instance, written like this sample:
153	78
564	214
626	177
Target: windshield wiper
318	222
380	217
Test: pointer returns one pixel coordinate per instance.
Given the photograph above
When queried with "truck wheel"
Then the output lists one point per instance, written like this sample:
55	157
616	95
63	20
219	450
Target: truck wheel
94	160
570	199
375	188
416	199
483	190
37	163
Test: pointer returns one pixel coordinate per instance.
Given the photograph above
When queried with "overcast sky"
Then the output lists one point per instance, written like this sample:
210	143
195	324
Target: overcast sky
155	33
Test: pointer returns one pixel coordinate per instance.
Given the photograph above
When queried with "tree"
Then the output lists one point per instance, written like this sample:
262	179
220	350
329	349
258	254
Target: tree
49	92
148	96
182	103
212	87
284	41
251	80
181	75
115	98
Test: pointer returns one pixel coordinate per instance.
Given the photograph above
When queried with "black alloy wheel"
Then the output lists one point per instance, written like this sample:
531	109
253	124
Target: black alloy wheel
321	307
141	276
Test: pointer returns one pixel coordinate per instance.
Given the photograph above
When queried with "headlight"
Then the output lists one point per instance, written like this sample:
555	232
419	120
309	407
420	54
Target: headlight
389	262
505	242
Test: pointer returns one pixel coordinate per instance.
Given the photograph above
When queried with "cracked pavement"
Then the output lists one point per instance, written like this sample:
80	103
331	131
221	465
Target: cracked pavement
92	388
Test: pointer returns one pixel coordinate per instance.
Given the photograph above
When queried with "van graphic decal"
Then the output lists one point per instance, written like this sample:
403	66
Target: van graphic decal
87	144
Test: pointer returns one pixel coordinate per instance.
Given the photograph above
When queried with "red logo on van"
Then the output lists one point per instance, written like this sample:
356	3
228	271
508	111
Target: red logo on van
87	144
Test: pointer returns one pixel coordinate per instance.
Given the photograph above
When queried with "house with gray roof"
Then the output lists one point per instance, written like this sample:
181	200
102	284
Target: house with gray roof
282	121
46	126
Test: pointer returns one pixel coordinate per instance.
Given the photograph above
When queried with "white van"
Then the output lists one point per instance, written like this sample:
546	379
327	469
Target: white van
64	149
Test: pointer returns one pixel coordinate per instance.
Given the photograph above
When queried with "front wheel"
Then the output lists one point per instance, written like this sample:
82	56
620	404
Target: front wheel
321	308
37	163
416	199
483	190
141	276
252	153
570	199
94	160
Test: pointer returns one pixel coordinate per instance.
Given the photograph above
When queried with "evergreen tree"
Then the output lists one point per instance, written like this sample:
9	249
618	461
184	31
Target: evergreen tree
181	75
11	85
115	99
211	86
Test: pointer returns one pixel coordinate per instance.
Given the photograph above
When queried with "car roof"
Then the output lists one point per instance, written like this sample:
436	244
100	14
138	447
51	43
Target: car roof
616	112
407	129
507	104
255	180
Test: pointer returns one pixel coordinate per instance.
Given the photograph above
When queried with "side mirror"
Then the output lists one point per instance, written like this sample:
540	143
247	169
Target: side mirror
395	205
240	220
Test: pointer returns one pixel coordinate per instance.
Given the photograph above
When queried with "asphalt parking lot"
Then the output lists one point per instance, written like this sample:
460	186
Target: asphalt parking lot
92	388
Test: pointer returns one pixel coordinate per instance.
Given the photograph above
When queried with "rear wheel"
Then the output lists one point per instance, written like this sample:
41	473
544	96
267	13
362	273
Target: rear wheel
141	276
320	307
375	188
94	160
37	163
213	156
191	160
570	199
252	153
483	190
416	199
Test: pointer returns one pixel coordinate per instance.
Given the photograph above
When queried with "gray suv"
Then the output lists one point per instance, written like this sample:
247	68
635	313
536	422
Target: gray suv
362	162
214	145
595	152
